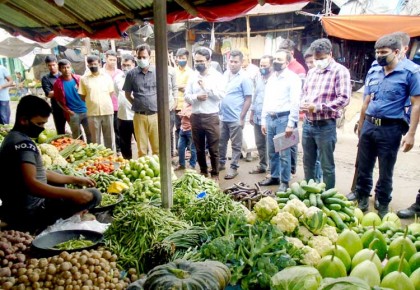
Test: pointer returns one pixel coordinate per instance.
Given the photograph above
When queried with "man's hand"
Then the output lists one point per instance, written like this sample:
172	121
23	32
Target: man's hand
202	97
85	181
407	142
81	196
71	113
288	132
263	130
251	118
242	122
356	127
308	107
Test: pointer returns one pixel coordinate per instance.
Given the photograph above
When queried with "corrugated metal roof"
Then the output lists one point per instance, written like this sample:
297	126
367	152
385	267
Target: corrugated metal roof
43	19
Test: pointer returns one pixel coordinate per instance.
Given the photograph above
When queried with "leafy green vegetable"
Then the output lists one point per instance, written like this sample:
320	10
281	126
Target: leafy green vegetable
296	278
345	283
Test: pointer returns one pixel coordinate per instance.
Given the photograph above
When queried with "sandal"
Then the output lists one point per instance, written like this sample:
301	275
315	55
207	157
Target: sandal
257	170
232	174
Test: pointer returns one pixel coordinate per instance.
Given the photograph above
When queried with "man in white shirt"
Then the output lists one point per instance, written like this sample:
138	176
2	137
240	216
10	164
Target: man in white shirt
280	114
204	91
125	114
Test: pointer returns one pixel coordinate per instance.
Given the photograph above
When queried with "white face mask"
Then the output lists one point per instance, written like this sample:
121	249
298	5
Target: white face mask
322	63
142	63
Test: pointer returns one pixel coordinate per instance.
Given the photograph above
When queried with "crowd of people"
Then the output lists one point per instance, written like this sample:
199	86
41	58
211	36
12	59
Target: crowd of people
209	108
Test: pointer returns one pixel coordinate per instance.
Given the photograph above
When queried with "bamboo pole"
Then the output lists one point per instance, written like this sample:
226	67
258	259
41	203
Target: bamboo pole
252	32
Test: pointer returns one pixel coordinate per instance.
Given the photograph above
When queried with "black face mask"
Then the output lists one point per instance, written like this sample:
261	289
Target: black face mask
383	60
94	69
278	66
201	67
33	130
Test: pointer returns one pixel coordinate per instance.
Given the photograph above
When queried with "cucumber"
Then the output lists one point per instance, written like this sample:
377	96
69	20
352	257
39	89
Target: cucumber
329	193
326	210
319	202
293	196
282	199
282	194
303	183
334	206
347	211
330	222
337	220
307	202
311	188
312	199
335	200
340	196
343	216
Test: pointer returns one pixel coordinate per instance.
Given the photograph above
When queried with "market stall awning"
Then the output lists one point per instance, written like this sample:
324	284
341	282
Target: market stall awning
370	27
105	19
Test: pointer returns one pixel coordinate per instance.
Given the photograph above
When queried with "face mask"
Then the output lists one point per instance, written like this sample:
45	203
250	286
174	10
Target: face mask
143	63
201	67
383	59
278	66
125	71
33	130
94	69
182	63
264	71
322	63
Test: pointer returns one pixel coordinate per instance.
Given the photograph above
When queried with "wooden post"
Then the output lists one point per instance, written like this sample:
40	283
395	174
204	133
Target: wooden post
248	35
113	45
161	47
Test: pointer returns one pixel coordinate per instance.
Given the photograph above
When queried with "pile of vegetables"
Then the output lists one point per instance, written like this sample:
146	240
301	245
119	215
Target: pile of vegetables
339	211
103	181
76	152
146	167
63	141
13	248
74	244
51	156
4	130
46	135
246	195
78	270
144	190
136	228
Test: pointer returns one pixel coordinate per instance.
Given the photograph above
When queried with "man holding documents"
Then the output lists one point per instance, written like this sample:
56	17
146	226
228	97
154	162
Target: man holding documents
280	114
326	92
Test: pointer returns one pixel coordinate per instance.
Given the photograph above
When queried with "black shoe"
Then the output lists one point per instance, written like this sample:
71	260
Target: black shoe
269	181
376	202
352	196
283	186
410	212
363	203
382	210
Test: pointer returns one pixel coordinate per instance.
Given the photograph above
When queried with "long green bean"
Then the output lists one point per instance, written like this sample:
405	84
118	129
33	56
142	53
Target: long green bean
73	244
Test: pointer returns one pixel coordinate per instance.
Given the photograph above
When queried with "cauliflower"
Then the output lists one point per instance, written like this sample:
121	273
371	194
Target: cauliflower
296	207
59	160
266	208
314	219
329	232
285	221
310	256
251	218
320	244
46	160
304	234
49	149
295	242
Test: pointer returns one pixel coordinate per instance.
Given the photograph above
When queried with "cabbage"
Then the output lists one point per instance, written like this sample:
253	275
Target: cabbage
296	278
345	283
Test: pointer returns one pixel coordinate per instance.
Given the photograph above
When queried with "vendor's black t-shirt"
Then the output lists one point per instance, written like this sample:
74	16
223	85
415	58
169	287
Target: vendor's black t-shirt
18	203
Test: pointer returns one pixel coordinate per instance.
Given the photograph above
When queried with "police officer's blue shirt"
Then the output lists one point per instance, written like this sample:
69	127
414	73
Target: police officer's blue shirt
391	93
258	100
238	86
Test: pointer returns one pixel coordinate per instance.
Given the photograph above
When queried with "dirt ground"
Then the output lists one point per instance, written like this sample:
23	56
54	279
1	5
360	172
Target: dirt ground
406	172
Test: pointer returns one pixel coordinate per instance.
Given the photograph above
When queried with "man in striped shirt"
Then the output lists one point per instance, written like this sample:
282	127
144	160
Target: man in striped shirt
326	92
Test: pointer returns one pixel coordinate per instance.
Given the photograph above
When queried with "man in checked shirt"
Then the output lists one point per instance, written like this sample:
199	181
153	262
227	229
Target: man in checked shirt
326	92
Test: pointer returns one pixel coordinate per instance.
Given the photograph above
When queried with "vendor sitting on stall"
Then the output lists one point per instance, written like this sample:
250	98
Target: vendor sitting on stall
33	197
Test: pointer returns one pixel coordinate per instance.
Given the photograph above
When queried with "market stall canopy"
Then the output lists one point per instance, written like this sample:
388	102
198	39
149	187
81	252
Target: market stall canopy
369	27
104	19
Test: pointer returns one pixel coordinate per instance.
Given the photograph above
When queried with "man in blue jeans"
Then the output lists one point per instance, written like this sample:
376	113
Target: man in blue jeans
280	113
68	98
326	92
5	82
233	109
388	87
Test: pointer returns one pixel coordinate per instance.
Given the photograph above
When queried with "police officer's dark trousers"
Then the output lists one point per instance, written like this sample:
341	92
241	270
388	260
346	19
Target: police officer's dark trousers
382	142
